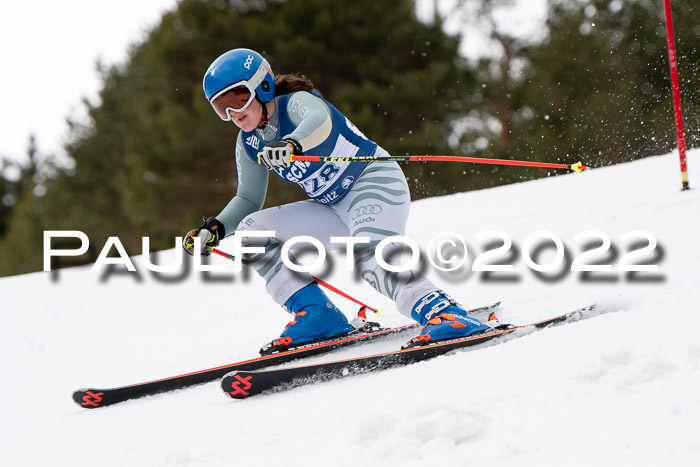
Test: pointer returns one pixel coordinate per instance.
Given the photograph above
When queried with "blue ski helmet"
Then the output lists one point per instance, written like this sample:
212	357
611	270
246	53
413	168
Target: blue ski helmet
242	66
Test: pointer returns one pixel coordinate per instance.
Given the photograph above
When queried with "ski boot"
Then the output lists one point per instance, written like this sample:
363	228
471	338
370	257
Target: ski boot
443	319
316	318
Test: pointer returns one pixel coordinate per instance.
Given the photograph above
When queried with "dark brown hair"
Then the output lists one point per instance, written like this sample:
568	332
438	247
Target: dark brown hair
286	84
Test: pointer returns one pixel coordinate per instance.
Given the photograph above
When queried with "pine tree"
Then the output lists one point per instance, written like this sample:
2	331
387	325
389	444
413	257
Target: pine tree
154	157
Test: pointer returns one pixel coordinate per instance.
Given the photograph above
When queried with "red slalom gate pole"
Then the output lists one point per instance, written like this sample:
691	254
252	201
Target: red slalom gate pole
673	62
578	167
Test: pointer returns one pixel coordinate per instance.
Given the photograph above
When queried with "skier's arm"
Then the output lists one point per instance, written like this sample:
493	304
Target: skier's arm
250	196
312	118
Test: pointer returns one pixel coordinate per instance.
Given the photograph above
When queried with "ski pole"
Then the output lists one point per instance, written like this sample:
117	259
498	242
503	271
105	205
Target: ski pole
363	306
228	256
577	167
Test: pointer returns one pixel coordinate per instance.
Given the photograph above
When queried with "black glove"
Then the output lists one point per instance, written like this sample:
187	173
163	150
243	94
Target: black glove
277	154
210	233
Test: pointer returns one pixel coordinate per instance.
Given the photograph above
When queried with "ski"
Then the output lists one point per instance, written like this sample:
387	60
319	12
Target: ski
92	398
242	384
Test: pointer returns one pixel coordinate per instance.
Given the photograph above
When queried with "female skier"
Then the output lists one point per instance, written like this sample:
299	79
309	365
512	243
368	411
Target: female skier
285	116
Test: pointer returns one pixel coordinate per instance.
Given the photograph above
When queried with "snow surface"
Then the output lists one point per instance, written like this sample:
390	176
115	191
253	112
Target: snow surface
617	389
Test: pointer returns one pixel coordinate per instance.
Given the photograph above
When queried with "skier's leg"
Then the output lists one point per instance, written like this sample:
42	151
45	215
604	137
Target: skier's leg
377	207
315	316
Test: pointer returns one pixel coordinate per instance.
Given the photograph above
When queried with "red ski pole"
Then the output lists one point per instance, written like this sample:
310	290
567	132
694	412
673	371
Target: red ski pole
578	167
363	306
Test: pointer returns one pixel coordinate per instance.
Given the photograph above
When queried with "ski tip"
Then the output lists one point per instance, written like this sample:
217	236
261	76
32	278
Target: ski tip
88	398
236	385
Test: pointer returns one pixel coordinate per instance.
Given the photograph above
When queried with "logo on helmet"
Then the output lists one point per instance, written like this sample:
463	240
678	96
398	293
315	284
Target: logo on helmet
248	62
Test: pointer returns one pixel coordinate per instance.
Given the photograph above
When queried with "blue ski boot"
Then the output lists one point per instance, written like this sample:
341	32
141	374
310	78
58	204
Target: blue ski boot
316	318
443	319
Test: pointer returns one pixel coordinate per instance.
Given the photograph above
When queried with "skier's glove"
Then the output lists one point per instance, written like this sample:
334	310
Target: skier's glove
277	154
211	232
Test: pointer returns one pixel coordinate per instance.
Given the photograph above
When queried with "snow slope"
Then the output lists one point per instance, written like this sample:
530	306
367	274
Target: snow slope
618	389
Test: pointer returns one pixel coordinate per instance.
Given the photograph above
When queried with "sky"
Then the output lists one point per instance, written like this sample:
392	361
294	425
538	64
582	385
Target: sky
48	51
49	59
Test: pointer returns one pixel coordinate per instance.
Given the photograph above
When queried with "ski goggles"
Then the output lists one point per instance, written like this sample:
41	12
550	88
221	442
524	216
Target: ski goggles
238	96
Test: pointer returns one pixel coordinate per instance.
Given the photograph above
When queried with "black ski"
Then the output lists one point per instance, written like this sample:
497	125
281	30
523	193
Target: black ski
243	384
92	398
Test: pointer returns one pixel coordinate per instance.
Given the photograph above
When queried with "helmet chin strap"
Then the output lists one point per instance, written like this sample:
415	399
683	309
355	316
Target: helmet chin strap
265	119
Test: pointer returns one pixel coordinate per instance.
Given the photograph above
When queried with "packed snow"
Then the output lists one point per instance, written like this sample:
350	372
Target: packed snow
617	389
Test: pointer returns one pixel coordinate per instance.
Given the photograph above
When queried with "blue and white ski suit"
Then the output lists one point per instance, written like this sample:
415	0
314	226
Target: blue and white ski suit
346	198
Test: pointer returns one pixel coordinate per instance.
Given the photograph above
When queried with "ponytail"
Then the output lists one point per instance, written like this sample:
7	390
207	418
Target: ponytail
287	84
